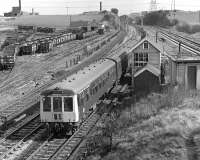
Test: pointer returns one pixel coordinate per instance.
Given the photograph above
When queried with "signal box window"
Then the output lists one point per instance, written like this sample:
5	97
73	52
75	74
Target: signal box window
57	104
68	104
47	104
146	45
140	59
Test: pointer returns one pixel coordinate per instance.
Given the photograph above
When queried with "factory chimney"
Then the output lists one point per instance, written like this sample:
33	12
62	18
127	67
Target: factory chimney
20	7
100	6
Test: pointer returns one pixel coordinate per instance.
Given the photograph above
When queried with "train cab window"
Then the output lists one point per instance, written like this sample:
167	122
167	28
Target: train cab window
68	104
57	104
47	104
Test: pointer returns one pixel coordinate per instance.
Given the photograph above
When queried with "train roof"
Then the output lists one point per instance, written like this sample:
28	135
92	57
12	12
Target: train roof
83	78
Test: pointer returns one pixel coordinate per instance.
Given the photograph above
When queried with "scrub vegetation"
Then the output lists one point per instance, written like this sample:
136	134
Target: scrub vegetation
190	29
160	126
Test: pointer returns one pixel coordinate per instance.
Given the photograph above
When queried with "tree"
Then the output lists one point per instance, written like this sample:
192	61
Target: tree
157	18
115	11
107	18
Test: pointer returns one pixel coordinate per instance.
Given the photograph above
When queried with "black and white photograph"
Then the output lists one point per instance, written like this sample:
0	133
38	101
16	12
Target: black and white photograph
100	80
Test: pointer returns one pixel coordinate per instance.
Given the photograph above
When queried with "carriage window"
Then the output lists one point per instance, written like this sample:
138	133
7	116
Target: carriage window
96	89
68	104
87	97
91	91
47	104
99	84
57	104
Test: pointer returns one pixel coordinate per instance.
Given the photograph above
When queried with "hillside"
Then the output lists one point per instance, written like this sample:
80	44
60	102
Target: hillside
183	16
187	16
58	21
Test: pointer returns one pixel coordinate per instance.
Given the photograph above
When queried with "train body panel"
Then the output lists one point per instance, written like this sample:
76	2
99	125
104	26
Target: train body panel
59	108
86	87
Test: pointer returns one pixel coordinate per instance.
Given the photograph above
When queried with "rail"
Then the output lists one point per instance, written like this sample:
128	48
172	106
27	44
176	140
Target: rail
188	45
16	139
12	111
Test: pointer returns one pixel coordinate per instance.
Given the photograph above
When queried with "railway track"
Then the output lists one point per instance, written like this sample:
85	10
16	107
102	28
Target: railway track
18	138
187	44
60	149
73	47
57	148
29	100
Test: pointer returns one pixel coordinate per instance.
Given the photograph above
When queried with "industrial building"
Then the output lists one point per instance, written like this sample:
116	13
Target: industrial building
15	11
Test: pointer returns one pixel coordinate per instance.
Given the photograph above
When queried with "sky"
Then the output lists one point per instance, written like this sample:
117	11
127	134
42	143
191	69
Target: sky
56	7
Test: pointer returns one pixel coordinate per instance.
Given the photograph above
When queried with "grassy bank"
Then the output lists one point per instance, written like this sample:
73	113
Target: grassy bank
157	127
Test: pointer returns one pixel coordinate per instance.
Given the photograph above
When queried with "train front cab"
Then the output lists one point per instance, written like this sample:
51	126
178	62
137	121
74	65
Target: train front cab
59	112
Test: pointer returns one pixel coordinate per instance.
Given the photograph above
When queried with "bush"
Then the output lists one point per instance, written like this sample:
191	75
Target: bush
158	18
191	29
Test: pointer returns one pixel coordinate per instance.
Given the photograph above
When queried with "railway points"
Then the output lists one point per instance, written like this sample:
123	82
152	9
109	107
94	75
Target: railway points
96	57
32	100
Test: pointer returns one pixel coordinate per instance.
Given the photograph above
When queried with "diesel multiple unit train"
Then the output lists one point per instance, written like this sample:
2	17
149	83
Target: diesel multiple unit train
66	104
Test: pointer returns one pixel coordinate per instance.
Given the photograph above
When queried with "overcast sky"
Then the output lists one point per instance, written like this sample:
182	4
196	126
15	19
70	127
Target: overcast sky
78	6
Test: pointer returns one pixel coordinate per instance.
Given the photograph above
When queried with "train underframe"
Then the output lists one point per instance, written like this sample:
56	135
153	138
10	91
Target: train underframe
62	128
68	128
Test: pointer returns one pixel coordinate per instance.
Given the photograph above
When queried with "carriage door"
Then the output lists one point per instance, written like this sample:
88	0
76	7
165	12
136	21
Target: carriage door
192	76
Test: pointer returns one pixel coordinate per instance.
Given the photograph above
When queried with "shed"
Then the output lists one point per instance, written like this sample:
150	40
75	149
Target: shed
146	59
147	80
185	71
